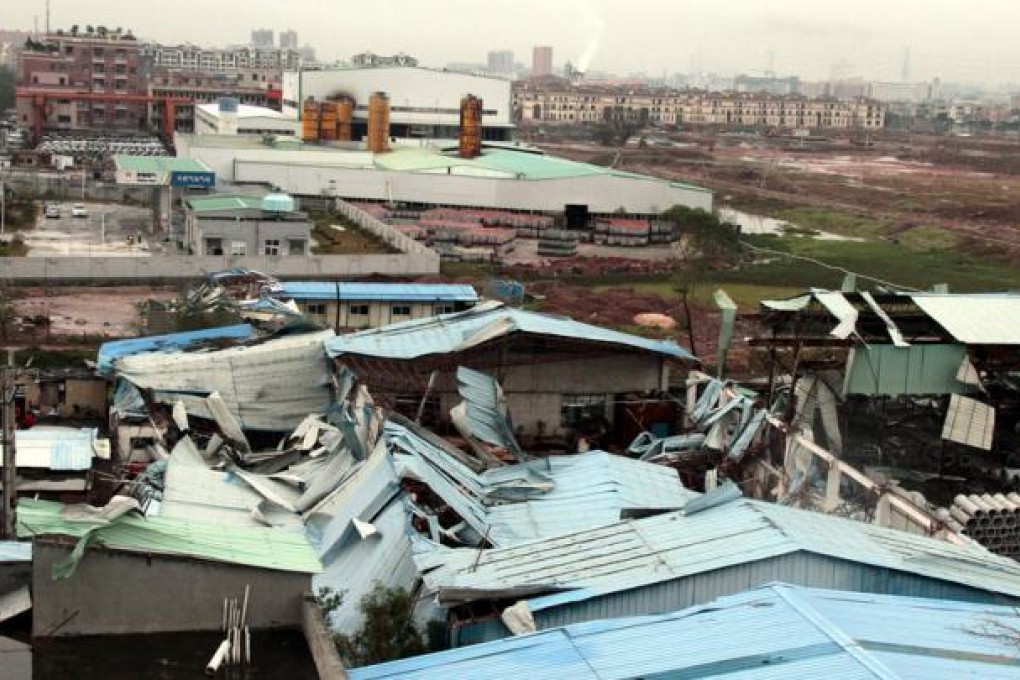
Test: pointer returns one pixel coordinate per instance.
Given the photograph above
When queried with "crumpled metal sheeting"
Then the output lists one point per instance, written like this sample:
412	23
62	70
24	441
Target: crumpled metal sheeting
194	492
486	411
271	386
541	498
351	564
128	401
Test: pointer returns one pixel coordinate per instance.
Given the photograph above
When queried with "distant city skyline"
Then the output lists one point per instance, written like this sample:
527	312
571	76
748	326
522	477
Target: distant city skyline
794	37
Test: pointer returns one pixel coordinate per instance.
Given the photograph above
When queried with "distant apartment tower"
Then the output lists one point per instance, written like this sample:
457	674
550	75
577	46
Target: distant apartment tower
501	62
288	40
262	37
541	61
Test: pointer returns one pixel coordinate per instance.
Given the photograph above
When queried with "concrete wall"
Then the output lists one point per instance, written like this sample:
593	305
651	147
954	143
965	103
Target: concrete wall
382	231
118	593
180	268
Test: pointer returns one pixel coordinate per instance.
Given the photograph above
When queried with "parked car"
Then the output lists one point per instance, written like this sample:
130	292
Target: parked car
52	210
79	210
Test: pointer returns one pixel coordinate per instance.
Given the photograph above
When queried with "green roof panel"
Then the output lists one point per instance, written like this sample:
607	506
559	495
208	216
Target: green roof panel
264	548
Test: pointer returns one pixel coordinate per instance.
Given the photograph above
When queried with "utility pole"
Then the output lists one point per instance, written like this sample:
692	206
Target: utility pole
10	472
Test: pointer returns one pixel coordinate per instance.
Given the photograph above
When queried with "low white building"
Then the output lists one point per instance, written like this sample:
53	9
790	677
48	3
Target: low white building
231	118
508	178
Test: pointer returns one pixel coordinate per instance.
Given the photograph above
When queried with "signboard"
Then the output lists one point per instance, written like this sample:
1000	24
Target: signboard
196	178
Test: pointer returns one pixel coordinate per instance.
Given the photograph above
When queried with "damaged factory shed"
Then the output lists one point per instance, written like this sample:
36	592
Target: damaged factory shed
716	545
562	379
915	385
83	557
784	631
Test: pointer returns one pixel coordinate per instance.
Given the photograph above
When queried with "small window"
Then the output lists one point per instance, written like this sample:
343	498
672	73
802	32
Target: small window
272	247
317	308
359	310
400	310
214	246
445	309
578	409
239	248
296	247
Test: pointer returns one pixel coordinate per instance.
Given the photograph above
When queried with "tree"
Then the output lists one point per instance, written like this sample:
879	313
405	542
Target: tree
711	239
389	631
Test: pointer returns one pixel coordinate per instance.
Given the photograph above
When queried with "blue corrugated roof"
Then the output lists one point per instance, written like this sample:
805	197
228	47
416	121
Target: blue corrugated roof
675	546
776	631
65	449
116	349
385	292
448	333
544	497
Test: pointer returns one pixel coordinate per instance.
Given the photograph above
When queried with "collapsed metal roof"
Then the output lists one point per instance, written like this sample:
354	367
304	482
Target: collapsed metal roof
272	386
450	333
111	351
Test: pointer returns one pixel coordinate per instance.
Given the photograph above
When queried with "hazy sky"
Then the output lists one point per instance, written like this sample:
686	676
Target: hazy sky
973	40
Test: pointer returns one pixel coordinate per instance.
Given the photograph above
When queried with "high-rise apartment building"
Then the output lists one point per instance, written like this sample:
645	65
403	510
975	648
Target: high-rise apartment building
501	62
541	61
104	64
262	37
288	40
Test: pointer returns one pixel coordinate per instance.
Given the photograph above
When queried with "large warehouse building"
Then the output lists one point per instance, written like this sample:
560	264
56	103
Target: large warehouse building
506	178
424	103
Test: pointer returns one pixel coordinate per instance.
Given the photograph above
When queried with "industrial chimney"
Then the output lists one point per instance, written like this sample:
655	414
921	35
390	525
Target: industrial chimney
345	115
470	126
378	123
310	120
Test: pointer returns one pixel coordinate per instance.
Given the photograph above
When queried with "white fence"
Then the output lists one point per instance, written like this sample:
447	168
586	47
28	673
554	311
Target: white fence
384	232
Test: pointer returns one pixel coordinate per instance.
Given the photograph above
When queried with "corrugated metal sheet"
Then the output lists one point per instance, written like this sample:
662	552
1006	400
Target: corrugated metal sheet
546	497
975	319
448	333
174	342
777	631
63	449
672	546
269	386
353	564
969	422
886	370
257	547
382	292
15	551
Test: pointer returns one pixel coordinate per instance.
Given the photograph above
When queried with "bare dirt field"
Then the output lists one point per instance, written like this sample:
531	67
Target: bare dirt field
83	311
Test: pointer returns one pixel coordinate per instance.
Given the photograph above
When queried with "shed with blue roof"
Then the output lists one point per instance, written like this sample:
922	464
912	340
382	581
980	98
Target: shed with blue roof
358	305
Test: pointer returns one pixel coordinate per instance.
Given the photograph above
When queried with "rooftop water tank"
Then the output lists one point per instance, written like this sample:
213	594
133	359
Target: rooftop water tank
281	203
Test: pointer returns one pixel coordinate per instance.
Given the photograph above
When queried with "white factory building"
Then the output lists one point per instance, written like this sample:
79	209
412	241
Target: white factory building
424	103
504	177
227	117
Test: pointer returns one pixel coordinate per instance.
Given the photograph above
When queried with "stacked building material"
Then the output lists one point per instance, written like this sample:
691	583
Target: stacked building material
557	243
617	231
991	520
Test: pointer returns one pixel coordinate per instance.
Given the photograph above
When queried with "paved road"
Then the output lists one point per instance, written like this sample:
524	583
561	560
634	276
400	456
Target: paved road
105	231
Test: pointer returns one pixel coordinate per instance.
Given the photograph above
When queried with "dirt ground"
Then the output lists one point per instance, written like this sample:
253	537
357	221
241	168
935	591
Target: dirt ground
83	311
970	186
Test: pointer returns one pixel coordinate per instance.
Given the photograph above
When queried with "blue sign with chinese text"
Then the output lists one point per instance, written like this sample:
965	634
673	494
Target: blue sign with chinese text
180	178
